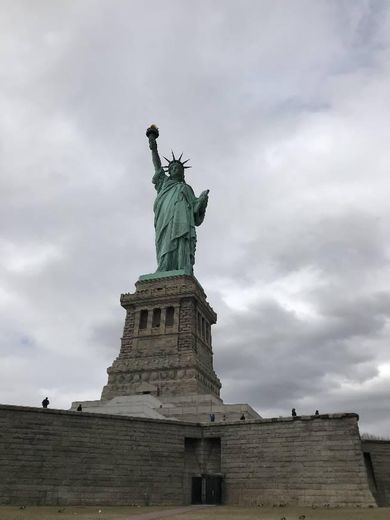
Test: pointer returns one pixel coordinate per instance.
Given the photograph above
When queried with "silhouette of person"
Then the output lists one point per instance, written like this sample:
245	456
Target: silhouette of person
79	408
212	417
45	402
242	418
317	412
293	412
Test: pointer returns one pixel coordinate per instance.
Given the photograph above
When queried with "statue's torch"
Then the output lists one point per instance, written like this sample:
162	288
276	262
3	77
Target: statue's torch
152	133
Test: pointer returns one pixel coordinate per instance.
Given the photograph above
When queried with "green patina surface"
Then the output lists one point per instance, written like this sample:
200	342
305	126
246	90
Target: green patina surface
177	211
163	274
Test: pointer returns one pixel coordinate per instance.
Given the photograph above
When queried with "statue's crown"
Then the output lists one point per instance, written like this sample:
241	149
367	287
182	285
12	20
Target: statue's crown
175	160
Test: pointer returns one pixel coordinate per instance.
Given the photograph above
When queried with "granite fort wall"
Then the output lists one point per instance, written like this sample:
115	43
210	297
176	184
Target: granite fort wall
306	461
62	457
378	466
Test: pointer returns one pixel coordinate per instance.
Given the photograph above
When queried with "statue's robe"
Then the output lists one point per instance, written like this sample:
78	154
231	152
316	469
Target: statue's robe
176	213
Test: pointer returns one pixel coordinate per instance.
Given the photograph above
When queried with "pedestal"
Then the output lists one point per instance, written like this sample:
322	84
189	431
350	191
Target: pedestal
166	346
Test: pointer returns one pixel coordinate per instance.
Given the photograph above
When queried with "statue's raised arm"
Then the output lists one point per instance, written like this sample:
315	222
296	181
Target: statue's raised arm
176	212
152	133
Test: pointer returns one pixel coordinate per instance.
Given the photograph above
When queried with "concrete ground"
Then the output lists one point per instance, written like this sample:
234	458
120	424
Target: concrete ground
189	513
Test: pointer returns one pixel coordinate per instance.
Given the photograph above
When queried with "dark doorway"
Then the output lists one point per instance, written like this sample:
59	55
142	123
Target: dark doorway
196	496
213	490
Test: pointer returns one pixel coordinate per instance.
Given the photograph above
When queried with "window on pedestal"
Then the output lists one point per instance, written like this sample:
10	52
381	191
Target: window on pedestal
169	316
207	333
143	319
156	320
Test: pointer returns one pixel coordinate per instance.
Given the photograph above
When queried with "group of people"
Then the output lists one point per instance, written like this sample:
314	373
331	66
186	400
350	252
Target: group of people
212	417
294	412
46	402
242	418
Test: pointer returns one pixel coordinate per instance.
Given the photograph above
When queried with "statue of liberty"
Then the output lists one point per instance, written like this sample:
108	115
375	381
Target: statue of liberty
176	212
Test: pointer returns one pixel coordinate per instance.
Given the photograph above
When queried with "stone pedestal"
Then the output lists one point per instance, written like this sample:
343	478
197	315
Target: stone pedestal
166	346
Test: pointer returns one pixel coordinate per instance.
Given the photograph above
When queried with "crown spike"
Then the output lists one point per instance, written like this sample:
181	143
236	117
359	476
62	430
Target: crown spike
173	155
185	161
180	156
166	159
186	167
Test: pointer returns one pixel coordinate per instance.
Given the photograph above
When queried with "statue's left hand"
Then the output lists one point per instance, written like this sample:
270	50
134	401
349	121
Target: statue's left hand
200	207
203	199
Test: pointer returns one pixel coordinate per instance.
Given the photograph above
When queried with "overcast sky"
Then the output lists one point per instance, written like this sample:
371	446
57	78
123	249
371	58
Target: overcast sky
283	108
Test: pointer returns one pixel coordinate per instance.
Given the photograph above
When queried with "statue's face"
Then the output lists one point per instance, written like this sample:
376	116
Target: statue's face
176	171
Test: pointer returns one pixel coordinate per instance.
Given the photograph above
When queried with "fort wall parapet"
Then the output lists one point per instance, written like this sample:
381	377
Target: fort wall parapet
62	457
